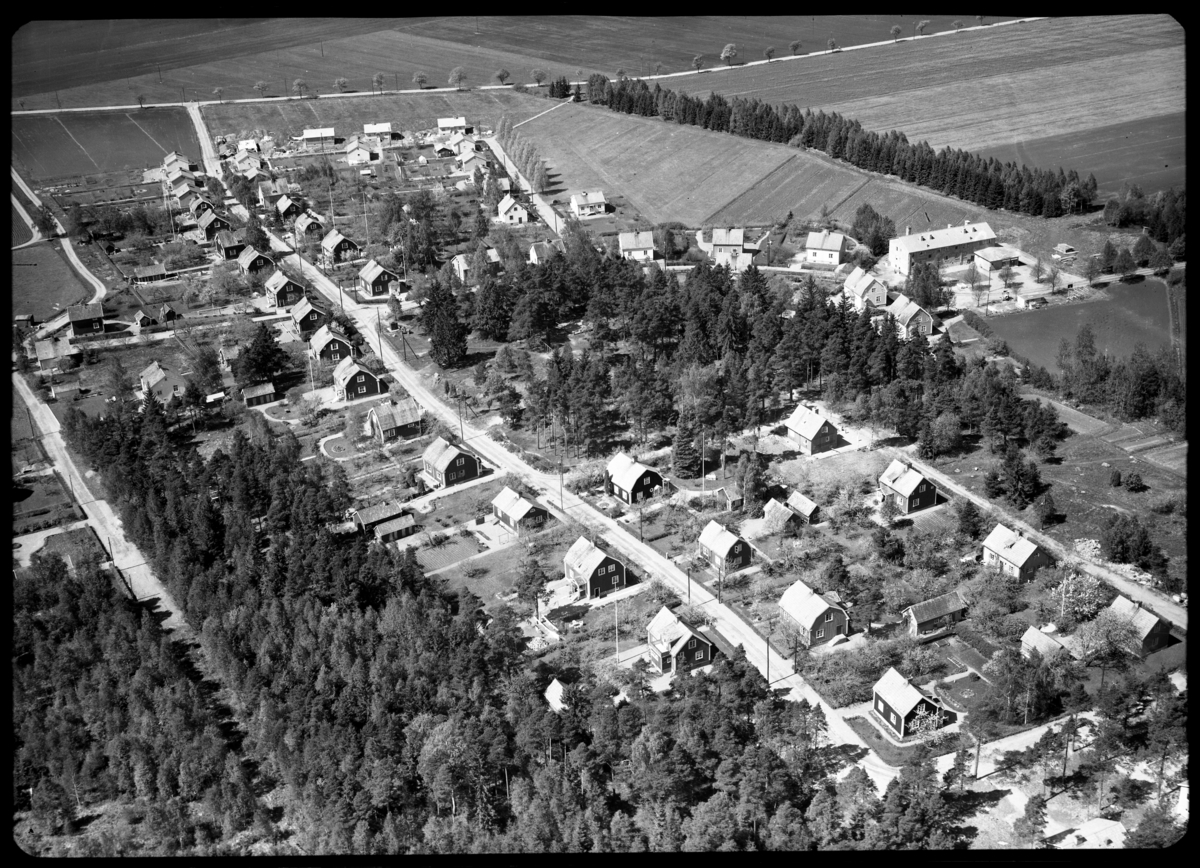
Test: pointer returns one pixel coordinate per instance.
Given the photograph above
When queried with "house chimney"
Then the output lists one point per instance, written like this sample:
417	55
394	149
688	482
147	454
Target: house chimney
908	230
948	225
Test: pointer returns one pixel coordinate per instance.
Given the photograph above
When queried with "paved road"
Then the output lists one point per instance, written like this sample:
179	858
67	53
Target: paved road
1163	606
544	209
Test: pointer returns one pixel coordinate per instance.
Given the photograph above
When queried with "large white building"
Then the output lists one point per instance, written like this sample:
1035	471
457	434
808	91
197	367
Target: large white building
952	245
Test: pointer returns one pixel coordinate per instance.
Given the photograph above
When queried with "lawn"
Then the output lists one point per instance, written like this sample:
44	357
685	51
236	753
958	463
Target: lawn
77	544
66	145
42	502
43	283
20	229
889	752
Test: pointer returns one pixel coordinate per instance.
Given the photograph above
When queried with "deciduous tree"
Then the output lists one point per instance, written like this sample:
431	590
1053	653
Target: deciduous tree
895	31
794	45
420	79
503	75
457	76
299	87
729	54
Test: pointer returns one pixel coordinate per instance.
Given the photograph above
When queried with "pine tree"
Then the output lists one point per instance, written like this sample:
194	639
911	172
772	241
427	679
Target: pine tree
970	525
685	460
447	333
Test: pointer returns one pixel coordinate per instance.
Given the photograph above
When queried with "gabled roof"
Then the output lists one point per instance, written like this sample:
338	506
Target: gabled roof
635	240
141	314
306	220
801	504
394	414
543	248
175	155
904	309
901	478
1010	545
260	389
992	254
324	335
726	236
395	524
333	238
450	123
512	504
247	256
378	512
283	203
197	202
373	269
354	143
440	453
667	633
322	133
1143	620
825	240
225	238
272	187
279	280
805	422
79	312
937	607
507	204
554	694
776	515
584	556
209	217
1046	645
804	605
303	308
153	375
935	238
348	368
859	282
150	270
1097	833
625	472
585	197
718	540
898	692
377	129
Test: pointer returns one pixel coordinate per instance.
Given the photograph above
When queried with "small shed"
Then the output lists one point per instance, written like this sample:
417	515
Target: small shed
263	393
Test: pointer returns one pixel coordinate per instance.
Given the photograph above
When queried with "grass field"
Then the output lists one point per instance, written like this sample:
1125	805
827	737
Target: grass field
992	88
20	229
58	146
407	112
43	283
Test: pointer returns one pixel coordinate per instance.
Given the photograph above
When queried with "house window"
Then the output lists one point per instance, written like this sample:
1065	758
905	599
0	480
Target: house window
895	722
459	462
699	655
615	580
879	705
828	616
362	390
336	356
820	634
692	643
360	378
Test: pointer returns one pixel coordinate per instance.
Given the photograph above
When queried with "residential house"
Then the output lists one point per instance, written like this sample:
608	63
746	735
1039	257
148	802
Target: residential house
808	511
934	618
1098	833
462	265
263	393
169	312
373	279
811	431
211	223
911	319
672	645
184	190
86	319
175	173
51	351
282	290
511	212
248	145
907	488
397	528
306	316
319	138
460	144
594	571
161	382
554	696
825	248
776	516
352	381
443	150
516	513
864	290
446	464
308	224
541	251
723	551
392	419
369	517
384	131
991	259
177	159
453	125
898	703
338	247
632	481
589	203
1011	552
816	617
287	208
250	261
198	206
358	151
245	160
952	245
469	161
1150	631
638	246
270	192
143	319
728	245
1046	645
330	346
229	244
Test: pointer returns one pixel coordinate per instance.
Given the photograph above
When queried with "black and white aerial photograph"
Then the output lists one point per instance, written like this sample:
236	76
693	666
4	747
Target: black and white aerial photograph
459	436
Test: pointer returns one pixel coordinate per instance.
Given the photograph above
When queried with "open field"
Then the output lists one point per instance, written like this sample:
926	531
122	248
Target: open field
108	62
407	112
985	89
56	146
43	283
20	229
1134	312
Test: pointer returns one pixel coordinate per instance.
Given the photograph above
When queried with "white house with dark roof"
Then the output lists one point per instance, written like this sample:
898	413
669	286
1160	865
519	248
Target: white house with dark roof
952	245
516	513
632	481
511	212
1150	631
725	552
161	382
446	464
897	703
907	487
825	247
638	246
816	617
589	203
452	125
1012	552
864	290
594	571
811	431
673	645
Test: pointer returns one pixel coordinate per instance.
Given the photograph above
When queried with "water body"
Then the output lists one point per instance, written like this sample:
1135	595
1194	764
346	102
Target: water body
1133	313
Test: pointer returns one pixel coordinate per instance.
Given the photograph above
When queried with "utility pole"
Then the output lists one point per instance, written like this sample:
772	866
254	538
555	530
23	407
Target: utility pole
616	634
561	503
379	329
461	435
689	583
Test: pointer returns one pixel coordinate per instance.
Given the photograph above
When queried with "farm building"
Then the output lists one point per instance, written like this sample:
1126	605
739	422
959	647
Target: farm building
907	488
825	248
931	619
352	381
161	382
319	138
282	290
287	208
672	645
864	290
198	206
86	319
338	247
589	204
229	244
516	513
151	273
631	481
1011	552
453	125
308	224
952	245
511	212
329	345
462	265
990	259
541	251
447	464
306	316
270	192
263	393
722	550
594	571
911	319
810	430
392	419
1150	631
250	261
370	517
815	616
898	702
638	246
397	528
808	511
374	279
211	223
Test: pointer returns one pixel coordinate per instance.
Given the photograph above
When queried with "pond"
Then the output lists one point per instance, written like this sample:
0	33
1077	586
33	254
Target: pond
1133	313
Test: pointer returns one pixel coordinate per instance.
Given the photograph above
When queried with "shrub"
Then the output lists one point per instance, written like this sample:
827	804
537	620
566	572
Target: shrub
1114	478
1133	482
